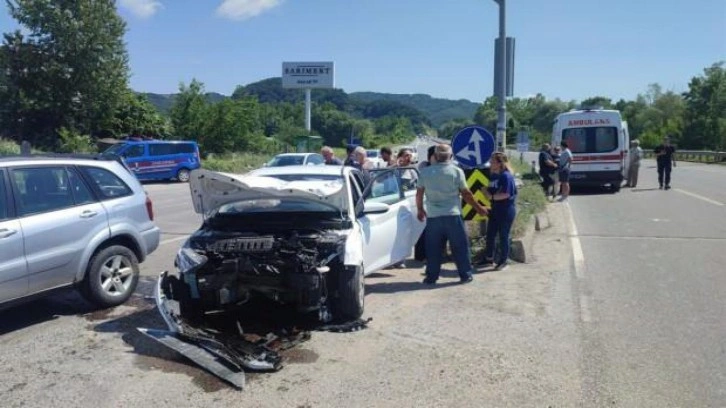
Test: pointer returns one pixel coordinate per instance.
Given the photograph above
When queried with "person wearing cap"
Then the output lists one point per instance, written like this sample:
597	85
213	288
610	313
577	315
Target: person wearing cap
666	161
444	185
635	156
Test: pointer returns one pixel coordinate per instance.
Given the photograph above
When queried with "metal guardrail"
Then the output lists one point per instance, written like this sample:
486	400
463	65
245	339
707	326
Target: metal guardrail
701	156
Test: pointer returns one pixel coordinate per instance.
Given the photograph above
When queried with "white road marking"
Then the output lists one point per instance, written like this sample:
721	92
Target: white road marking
577	254
700	197
171	240
585	309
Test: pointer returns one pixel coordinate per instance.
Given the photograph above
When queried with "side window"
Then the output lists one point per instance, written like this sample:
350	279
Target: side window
385	188
108	184
355	189
3	198
409	179
43	189
183	148
134	151
315	159
81	193
161	149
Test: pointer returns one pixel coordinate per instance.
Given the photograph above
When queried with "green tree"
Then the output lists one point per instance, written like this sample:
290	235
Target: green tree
71	69
188	113
137	116
705	114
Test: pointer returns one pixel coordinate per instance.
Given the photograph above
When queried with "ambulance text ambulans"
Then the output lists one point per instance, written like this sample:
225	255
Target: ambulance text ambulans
599	141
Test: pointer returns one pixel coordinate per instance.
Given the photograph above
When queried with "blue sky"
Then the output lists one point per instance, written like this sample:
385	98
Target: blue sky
565	48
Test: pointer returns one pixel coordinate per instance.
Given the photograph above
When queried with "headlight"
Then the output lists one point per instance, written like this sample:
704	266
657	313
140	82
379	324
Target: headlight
188	259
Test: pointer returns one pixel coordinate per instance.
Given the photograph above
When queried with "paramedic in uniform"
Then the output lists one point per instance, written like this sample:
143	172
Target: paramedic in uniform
665	158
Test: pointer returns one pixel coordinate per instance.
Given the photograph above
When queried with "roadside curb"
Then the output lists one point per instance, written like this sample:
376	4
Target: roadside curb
521	249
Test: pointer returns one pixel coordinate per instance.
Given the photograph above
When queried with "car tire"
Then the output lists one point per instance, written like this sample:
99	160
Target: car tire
183	175
616	187
351	294
111	277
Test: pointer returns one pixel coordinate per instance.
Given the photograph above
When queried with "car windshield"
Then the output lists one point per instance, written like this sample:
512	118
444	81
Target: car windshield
113	150
591	139
286	161
372	153
267	205
303	177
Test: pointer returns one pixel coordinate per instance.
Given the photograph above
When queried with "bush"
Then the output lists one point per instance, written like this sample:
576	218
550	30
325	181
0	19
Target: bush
8	147
235	162
73	142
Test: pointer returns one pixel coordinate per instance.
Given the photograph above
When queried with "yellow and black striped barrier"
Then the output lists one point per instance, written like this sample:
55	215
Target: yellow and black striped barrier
477	180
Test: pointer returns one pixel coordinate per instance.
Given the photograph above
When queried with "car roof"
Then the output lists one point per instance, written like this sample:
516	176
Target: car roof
300	169
55	157
293	154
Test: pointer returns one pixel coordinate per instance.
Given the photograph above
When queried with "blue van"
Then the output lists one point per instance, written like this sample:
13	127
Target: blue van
158	159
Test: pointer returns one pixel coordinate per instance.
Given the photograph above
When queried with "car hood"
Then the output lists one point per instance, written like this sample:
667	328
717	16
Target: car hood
211	190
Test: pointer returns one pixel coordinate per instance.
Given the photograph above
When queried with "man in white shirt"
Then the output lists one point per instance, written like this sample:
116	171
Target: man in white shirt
564	170
636	155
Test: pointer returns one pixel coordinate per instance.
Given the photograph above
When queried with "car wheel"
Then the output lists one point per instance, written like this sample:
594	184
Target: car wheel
112	276
616	186
351	294
183	175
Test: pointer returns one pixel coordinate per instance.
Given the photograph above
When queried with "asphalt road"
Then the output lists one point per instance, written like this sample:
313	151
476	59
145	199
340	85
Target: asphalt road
623	305
650	286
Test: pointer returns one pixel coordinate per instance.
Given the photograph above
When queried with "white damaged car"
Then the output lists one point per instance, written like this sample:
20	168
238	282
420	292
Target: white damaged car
299	235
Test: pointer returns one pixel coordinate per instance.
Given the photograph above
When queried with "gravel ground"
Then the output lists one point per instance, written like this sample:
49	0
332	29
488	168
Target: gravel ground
508	339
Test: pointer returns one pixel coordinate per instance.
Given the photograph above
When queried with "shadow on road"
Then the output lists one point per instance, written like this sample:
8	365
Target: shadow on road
65	302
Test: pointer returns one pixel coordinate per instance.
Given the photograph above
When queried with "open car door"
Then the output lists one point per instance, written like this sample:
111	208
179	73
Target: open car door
388	220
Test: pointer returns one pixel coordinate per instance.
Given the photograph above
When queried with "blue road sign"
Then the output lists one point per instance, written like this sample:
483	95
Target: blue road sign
473	146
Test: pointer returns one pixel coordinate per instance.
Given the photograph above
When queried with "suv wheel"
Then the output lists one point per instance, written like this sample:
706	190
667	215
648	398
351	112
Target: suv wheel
112	276
183	175
351	294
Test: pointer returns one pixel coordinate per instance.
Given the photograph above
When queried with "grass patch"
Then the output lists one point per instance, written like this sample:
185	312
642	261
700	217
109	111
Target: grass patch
238	163
530	199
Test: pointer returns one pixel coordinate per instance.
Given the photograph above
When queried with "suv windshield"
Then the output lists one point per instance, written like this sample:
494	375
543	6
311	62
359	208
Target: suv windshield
113	150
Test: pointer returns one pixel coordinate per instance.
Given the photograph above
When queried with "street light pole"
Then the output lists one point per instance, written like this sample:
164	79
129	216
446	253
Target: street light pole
501	90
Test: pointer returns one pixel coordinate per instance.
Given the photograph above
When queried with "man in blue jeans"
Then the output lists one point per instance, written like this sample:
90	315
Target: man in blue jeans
444	185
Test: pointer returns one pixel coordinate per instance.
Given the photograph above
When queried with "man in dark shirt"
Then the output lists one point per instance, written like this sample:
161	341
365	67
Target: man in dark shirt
546	168
666	160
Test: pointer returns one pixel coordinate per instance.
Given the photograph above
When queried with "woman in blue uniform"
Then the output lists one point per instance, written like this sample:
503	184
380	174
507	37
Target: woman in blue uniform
502	192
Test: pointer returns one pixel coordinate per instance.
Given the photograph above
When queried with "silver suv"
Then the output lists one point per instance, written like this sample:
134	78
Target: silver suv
72	221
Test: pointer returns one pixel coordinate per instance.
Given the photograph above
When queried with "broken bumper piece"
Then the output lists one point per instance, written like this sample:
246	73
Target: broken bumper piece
222	354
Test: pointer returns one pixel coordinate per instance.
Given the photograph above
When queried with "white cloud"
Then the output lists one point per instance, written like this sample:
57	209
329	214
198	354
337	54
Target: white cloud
142	8
244	9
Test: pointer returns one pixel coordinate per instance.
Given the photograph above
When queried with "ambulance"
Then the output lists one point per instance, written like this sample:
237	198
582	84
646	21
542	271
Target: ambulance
599	141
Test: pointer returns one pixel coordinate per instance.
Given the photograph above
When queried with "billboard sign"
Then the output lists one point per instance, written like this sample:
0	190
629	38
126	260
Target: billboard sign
302	75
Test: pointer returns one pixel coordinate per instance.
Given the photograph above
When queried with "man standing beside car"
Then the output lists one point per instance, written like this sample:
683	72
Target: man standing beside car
329	156
444	185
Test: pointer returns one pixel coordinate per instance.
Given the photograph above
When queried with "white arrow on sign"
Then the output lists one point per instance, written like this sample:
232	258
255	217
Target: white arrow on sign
475	154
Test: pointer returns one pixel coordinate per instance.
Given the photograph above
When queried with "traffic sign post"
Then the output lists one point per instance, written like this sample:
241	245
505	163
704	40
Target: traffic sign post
473	146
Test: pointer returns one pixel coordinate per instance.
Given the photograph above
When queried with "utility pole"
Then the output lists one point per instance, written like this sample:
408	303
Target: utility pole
501	91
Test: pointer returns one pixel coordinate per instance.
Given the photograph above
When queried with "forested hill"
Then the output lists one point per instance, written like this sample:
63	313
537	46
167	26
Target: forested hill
420	108
438	110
